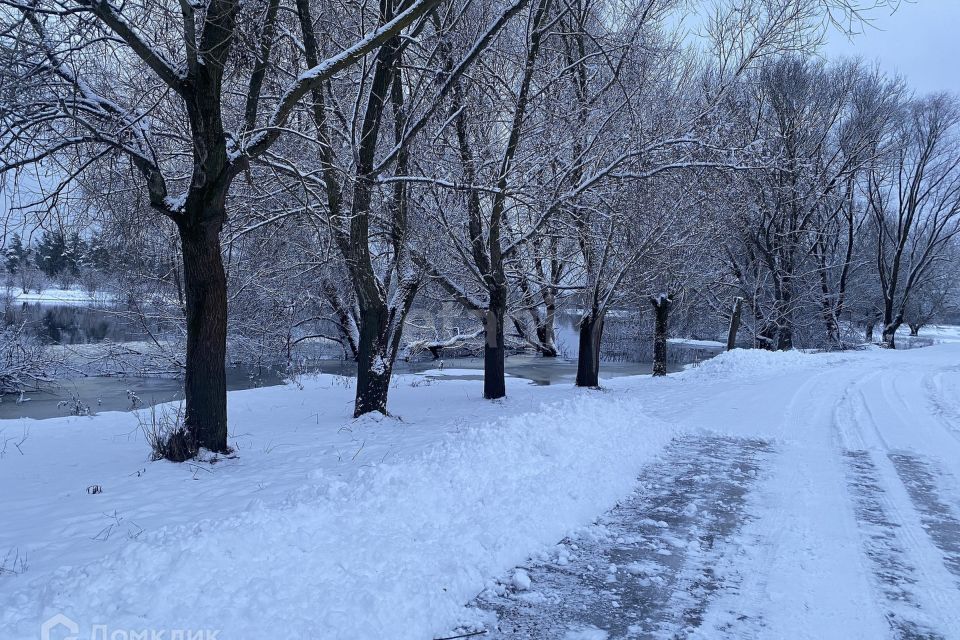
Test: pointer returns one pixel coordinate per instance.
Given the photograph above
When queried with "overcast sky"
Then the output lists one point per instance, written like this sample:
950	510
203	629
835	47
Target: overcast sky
920	41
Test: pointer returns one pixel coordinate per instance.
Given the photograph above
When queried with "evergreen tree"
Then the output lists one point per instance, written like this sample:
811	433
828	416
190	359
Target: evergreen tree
16	255
51	255
98	253
75	254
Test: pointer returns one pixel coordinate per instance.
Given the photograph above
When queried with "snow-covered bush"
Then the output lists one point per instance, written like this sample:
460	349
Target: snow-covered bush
24	362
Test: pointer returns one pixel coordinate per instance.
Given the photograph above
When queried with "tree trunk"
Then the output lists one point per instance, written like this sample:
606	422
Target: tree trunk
661	306
494	379
765	338
785	338
784	321
872	319
734	324
545	336
205	291
915	329
588	360
890	333
891	323
374	363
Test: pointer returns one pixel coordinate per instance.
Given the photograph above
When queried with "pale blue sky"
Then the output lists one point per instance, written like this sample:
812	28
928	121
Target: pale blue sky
920	40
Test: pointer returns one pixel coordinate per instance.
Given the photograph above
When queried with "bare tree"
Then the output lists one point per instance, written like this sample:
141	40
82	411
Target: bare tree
914	199
102	82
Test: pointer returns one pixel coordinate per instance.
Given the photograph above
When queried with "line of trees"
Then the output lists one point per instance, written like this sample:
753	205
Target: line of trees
57	254
317	170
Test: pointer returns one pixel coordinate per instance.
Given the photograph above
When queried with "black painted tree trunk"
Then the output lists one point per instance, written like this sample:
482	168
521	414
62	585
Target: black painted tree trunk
494	377
661	307
734	324
588	360
205	293
374	363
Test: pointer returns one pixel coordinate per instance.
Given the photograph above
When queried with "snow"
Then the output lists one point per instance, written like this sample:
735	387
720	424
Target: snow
69	297
938	333
752	362
591	633
696	344
385	527
389	525
521	579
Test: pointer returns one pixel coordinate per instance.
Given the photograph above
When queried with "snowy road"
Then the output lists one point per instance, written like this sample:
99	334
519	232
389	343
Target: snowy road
841	522
647	568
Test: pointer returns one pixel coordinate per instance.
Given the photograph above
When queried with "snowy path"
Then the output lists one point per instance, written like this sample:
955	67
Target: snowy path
647	567
847	525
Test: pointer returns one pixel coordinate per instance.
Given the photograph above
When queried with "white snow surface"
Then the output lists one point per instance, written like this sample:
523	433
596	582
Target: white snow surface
324	526
69	297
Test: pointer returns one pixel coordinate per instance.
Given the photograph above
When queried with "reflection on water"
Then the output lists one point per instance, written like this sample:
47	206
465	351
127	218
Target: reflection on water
73	324
110	394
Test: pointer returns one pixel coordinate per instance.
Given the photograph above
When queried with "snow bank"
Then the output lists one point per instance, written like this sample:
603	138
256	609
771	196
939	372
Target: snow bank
395	553
748	362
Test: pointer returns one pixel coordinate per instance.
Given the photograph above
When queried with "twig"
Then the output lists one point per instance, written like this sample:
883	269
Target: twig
463	635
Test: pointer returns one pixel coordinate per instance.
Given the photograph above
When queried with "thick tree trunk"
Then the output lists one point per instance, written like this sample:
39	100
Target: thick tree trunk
734	324
374	363
545	336
915	329
785	323
661	307
890	333
891	323
765	339
588	360
494	378
785	338
205	292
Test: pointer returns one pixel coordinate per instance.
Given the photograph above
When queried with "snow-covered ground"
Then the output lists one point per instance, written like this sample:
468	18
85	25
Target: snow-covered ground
66	297
757	496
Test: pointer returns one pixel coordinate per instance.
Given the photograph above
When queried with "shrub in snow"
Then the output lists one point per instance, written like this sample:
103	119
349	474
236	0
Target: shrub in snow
23	360
167	436
75	406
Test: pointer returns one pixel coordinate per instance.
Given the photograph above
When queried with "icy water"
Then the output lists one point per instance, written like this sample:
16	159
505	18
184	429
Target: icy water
75	325
110	393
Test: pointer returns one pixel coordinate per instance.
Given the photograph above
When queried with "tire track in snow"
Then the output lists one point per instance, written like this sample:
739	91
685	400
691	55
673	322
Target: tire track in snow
647	568
908	570
896	576
946	412
938	519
